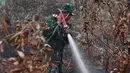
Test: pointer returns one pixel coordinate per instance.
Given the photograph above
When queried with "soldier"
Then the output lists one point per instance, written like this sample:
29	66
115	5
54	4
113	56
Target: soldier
56	32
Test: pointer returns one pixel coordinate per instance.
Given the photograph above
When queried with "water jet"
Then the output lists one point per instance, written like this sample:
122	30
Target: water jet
76	54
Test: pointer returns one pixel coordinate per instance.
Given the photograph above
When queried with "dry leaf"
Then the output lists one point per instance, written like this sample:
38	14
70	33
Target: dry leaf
21	54
16	63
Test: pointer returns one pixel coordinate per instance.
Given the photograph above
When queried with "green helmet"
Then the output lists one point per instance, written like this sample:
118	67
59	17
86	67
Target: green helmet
67	8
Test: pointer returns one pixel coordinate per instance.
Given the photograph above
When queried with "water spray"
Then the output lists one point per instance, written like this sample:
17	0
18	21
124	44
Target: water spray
76	53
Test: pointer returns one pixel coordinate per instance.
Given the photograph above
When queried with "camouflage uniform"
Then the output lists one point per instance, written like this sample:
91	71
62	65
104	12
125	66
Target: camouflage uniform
56	35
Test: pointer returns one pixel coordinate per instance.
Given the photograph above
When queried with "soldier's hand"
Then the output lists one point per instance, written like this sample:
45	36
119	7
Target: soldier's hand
66	29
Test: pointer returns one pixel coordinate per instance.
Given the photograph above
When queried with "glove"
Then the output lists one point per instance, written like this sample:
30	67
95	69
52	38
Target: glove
66	29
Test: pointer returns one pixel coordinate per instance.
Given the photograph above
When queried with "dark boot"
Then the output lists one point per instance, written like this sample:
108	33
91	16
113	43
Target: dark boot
60	67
